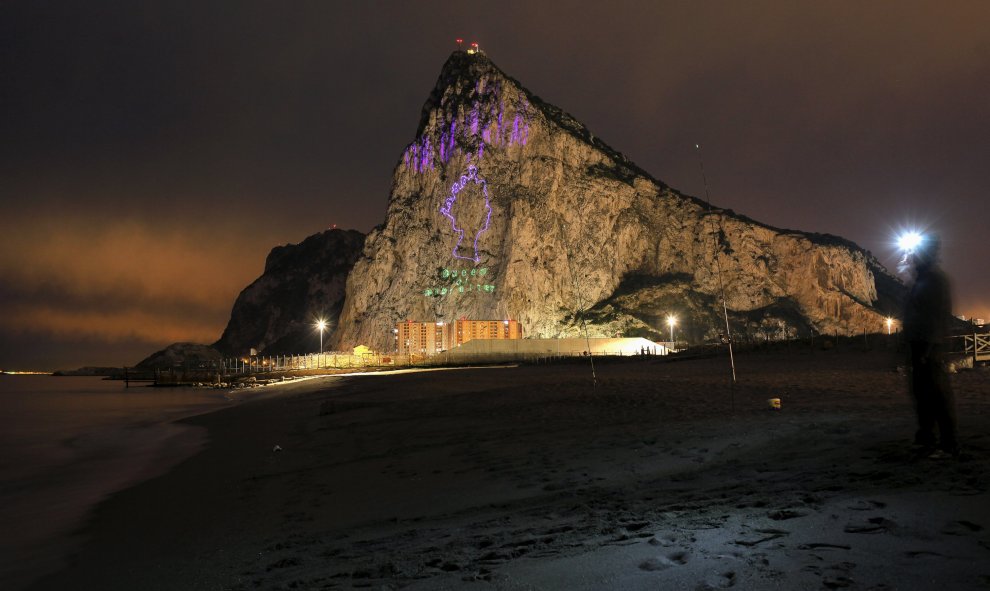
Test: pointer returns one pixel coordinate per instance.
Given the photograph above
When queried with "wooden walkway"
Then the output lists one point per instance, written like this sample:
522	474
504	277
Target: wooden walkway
977	345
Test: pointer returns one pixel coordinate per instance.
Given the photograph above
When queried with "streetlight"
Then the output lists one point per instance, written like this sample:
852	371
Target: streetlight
321	324
671	322
890	322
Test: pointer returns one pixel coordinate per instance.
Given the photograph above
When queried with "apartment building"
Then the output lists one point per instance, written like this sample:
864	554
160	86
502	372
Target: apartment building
430	338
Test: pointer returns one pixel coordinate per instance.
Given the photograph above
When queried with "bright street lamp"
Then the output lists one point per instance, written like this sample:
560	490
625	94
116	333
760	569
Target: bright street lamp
671	322
321	324
890	322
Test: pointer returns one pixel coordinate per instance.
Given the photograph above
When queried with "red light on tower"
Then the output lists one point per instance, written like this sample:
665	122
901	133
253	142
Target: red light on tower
460	42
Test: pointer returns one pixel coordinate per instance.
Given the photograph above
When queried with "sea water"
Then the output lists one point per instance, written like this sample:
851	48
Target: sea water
66	443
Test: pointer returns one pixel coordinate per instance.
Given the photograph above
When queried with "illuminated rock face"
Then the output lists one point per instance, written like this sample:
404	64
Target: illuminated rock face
507	207
301	283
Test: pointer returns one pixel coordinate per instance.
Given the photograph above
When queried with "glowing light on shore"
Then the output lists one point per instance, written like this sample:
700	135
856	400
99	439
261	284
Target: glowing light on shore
671	322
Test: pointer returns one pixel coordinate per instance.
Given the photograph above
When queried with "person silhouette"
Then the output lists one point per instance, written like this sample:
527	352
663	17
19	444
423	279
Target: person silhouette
926	317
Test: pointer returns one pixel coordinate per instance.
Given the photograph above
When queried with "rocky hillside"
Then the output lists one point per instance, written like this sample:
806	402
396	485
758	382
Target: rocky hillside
301	283
181	354
506	206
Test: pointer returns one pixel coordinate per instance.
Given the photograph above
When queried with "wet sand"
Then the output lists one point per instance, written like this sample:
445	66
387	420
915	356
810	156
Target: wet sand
529	477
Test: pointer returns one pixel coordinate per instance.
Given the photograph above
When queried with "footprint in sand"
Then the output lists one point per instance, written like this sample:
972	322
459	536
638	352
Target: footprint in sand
875	525
961	528
820	545
766	536
667	540
866	505
664	562
720	581
837	582
785	514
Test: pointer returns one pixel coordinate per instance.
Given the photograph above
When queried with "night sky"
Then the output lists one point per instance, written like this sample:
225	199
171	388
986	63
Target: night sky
154	152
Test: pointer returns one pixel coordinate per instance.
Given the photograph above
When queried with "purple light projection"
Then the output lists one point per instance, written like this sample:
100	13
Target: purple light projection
486	123
448	205
474	119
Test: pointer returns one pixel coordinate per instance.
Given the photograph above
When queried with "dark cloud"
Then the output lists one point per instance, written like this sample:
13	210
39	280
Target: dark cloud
234	126
116	298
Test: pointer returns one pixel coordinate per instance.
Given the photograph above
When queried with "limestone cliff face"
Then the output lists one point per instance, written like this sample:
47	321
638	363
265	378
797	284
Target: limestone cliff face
301	282
506	206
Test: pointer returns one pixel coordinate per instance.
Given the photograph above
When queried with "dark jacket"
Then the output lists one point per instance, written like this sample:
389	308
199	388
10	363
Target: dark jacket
929	307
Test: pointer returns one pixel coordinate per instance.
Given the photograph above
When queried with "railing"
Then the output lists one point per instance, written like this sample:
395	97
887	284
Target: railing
220	370
977	345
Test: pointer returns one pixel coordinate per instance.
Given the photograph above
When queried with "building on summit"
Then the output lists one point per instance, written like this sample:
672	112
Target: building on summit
430	338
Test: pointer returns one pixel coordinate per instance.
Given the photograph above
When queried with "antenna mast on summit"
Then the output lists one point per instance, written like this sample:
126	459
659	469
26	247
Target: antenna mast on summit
718	266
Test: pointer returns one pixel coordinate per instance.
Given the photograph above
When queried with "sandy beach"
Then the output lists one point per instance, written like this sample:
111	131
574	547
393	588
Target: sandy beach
660	476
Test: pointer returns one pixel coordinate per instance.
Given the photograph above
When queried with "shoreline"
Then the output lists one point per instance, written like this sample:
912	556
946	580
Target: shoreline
165	445
151	452
153	448
527	476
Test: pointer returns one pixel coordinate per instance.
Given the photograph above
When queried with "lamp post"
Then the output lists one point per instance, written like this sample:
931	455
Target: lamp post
322	325
890	322
671	322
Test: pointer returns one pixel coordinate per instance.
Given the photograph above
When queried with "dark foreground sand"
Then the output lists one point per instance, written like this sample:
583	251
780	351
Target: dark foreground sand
529	478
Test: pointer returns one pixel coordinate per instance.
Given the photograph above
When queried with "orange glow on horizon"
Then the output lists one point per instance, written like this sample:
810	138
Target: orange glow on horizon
112	280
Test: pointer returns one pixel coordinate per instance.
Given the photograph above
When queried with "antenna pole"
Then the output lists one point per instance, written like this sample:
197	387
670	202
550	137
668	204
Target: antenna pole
718	266
584	321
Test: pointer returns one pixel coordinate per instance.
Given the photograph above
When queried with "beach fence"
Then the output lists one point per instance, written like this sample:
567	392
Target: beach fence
477	351
281	363
486	351
222	370
976	345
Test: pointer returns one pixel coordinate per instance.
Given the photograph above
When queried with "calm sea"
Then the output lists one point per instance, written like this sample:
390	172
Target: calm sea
66	443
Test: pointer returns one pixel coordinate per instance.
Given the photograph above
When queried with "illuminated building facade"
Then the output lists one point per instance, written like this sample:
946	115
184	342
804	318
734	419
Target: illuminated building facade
430	338
462	331
419	338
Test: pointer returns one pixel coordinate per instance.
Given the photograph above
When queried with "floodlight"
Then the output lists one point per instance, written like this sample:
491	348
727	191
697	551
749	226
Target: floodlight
671	322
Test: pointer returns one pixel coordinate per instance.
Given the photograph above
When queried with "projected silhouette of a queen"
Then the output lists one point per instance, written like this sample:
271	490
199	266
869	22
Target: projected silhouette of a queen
458	226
